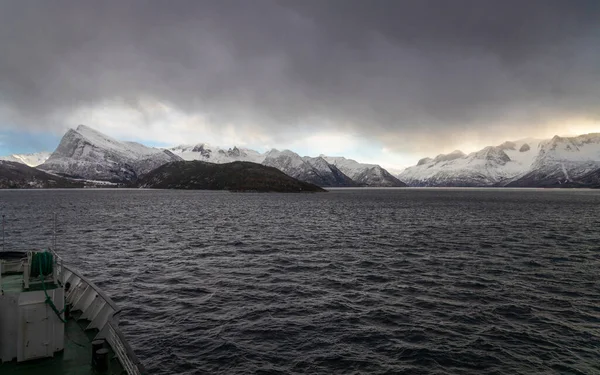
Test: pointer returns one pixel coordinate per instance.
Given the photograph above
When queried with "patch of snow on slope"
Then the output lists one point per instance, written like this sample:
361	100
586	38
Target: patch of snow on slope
285	160
131	150
88	154
319	164
32	160
581	148
213	154
481	168
349	167
364	174
560	160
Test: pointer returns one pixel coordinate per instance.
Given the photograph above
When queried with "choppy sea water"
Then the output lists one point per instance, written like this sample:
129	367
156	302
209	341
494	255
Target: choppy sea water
379	281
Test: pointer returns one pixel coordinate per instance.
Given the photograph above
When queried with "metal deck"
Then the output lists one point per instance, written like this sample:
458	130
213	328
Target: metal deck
93	317
13	283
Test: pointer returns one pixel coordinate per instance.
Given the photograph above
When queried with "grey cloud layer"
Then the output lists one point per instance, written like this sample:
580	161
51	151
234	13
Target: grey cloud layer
394	69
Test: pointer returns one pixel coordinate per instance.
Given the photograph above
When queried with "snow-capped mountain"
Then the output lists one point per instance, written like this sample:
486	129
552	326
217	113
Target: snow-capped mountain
322	170
485	167
312	170
364	174
31	160
89	154
560	160
524	163
212	154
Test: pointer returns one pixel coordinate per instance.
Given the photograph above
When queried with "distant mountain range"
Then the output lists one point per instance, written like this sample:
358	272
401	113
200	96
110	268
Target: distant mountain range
562	160
556	162
321	170
87	154
32	160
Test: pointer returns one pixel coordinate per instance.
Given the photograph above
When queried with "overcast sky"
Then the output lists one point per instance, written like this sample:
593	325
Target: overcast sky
381	81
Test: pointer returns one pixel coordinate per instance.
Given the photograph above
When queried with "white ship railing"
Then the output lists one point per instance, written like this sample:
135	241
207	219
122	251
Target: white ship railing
100	311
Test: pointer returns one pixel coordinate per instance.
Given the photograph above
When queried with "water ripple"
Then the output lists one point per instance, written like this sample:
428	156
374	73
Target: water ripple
408	281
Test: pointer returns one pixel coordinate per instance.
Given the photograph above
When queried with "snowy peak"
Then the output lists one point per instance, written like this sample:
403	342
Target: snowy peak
318	163
88	154
424	161
491	154
582	148
285	160
235	152
31	160
330	174
212	154
456	154
485	167
364	174
313	170
571	150
84	129
562	160
526	162
508	145
317	170
93	137
274	153
307	169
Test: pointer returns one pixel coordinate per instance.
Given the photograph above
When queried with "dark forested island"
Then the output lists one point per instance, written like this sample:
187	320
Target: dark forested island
236	176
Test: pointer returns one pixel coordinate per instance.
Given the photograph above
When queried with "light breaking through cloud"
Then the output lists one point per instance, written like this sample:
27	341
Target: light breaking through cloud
413	77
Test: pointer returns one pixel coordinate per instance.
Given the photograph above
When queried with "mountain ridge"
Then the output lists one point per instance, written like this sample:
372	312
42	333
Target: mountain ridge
524	163
31	160
306	168
88	154
364	174
562	160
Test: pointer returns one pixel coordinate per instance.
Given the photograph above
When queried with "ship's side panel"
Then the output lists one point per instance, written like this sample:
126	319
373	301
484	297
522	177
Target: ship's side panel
58	328
8	326
34	339
40	331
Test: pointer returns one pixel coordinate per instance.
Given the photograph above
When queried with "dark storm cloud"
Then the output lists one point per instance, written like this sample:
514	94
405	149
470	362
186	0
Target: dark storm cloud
388	69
